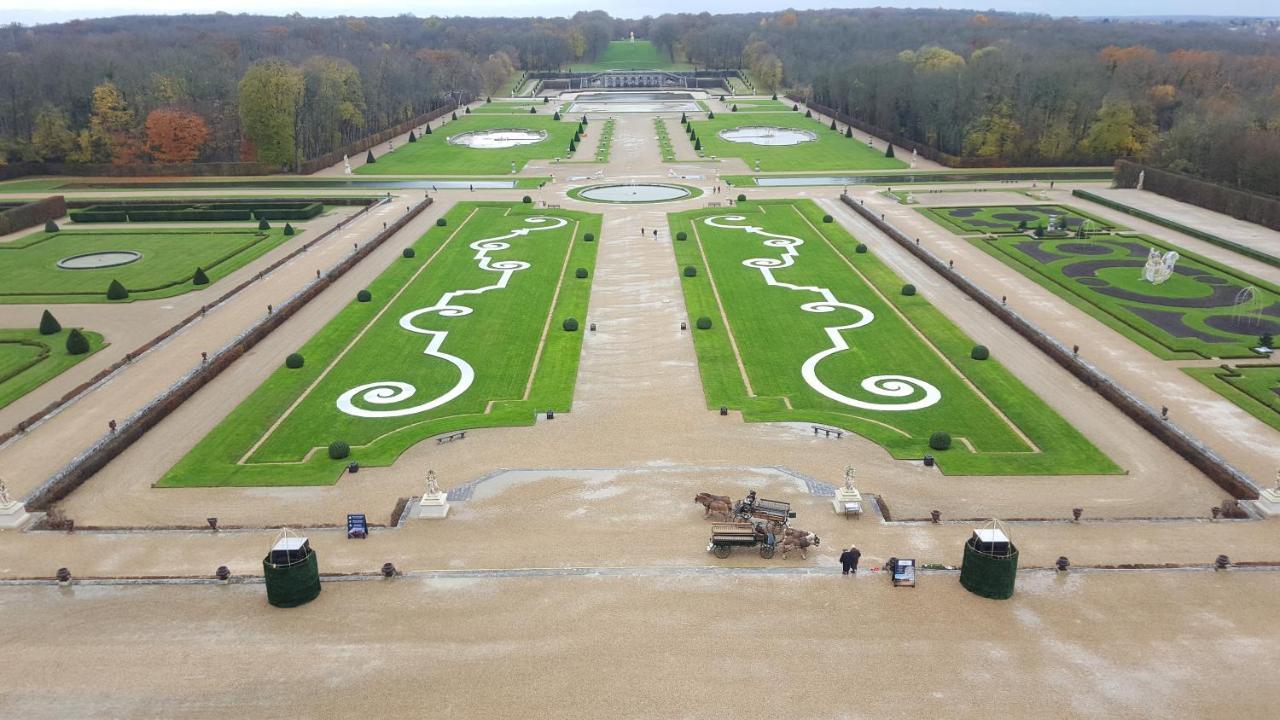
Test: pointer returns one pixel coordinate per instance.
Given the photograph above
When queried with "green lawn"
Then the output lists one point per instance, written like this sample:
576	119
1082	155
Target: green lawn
1199	312
503	107
1255	388
29	359
433	154
747	105
999	426
29	272
830	151
283	429
1002	219
627	55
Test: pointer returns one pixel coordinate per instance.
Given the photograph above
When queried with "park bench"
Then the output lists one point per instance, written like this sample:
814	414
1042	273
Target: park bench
828	432
451	438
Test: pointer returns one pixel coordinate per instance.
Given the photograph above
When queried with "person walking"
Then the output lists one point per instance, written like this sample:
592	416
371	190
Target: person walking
849	560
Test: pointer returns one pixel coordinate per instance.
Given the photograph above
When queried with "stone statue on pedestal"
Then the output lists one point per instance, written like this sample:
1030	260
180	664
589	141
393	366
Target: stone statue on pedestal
1142	177
433	488
5	499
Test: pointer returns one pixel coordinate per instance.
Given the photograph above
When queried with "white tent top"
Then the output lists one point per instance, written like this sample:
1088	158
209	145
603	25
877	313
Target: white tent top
991	535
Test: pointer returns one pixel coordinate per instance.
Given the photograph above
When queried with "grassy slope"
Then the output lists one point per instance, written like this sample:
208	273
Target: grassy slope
516	316
1251	388
433	155
21	368
774	336
28	267
831	151
627	55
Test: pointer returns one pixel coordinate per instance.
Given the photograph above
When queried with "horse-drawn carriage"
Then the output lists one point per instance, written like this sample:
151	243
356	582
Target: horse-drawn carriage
726	536
774	513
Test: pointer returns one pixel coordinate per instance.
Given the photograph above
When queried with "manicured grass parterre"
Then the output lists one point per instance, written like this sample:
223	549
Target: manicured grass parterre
905	372
1003	219
629	55
1255	388
664	140
29	359
605	144
509	107
830	151
433	154
757	105
29	269
1204	310
496	291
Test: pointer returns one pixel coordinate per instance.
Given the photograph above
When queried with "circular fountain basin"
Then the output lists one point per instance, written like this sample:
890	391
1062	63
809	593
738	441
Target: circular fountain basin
95	260
637	193
496	139
771	136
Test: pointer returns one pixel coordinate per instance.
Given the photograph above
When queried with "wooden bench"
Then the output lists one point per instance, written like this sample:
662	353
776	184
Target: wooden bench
827	431
451	438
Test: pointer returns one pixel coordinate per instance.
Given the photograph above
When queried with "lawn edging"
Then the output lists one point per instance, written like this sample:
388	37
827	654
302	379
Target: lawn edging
1239	485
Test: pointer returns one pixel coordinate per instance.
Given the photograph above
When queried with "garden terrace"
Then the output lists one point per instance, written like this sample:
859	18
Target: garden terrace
1255	388
830	150
196	211
1005	219
434	154
29	359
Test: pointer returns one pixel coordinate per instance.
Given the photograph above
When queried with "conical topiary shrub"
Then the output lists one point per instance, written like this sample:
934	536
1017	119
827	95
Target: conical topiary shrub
116	291
369	159
697	145
77	343
888	151
711	115
940	440
556	116
833	123
288	230
573	147
453	115
263	224
848	131
199	277
50	226
49	324
412	137
808	113
467	111
533	111
426	130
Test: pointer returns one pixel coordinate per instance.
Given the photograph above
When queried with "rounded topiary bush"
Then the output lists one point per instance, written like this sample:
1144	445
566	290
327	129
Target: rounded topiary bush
704	323
364	296
589	237
77	343
263	224
441	222
908	289
116	291
407	253
526	200
979	352
339	450
50	226
742	198
199	277
860	249
570	324
294	361
580	273
940	440
827	219
690	271
682	235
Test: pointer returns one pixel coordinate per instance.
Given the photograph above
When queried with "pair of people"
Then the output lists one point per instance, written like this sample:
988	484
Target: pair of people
849	560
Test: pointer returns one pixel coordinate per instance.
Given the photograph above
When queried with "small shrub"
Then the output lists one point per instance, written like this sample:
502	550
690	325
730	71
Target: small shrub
833	123
427	130
77	343
860	249
1022	225
467	111
294	361
827	219
412	137
697	145
263	224
49	324
288	230
682	235
684	119
775	96
908	289
369	158
533	111
453	115
580	273
888	151
50	226
734	108
338	450
742	198
526	200
721	98
589	237
690	271
573	147
979	352
795	108
116	291
570	324
704	323
1264	340
848	131
441	222
808	113
199	277
407	253
556	116
546	100
364	296
940	440
711	115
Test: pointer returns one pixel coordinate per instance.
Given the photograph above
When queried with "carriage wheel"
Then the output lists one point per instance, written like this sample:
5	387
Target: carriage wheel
766	551
721	551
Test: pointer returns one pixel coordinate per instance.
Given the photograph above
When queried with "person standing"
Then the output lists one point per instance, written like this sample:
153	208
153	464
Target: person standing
849	560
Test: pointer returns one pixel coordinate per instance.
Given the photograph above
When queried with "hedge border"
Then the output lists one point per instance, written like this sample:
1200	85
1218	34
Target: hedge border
1254	207
29	214
1239	485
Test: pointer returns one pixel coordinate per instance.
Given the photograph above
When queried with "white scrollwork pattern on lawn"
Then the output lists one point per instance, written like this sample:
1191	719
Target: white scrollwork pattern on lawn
888	386
392	392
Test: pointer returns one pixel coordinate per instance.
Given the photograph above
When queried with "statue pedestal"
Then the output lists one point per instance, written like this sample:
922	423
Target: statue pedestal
433	506
13	516
847	502
1269	502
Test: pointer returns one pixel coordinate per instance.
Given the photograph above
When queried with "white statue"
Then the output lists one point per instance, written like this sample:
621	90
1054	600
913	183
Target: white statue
1159	267
848	477
5	500
633	36
1142	177
433	488
346	164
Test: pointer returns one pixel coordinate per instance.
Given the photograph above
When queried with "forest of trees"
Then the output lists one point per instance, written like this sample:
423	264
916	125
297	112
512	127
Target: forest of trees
1202	98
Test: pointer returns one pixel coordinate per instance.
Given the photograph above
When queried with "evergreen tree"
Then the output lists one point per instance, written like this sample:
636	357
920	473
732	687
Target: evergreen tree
49	325
888	151
412	137
116	291
77	343
369	158
199	278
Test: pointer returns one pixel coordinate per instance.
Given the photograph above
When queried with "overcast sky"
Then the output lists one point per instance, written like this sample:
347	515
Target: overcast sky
23	11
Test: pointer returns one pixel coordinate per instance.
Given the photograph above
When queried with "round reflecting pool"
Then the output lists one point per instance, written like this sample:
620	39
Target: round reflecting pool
494	139
760	135
95	260
637	193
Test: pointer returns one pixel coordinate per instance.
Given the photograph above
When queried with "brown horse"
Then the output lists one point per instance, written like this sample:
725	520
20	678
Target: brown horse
714	503
800	543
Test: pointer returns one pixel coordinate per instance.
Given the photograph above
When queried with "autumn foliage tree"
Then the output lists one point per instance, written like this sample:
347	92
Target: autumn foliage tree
175	136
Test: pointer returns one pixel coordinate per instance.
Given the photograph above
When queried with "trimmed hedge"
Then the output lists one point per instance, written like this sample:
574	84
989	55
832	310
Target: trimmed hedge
580	273
979	352
703	323
25	215
364	296
294	361
407	253
1241	204
441	222
682	235
339	450
199	277
570	324
98	216
940	441
116	291
589	237
908	289
860	249
49	324
77	344
690	271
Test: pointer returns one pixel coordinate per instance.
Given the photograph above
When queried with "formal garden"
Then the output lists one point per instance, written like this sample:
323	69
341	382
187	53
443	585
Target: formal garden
130	263
31	357
1255	388
630	55
1008	219
794	320
459	148
479	323
784	141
